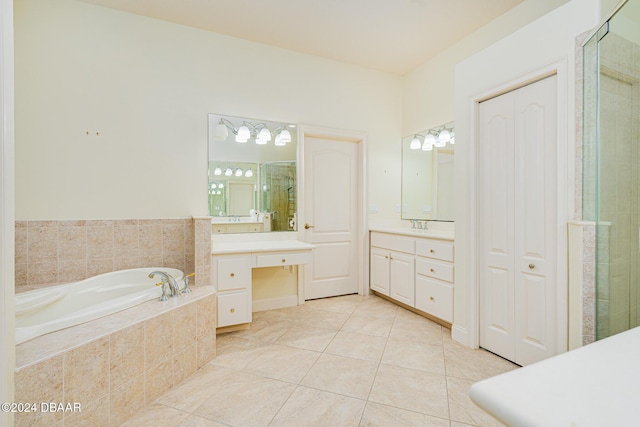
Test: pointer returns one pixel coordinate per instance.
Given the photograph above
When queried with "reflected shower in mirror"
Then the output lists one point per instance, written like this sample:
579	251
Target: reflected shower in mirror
252	174
427	174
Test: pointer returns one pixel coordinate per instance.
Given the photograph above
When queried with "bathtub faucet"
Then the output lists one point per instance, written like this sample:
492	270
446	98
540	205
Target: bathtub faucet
167	281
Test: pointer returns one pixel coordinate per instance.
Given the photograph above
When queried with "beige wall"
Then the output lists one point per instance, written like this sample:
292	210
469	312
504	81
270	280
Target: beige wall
146	86
428	99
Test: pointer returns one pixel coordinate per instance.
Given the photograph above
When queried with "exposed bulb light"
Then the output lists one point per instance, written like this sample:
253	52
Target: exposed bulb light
248	173
221	132
239	172
429	141
415	143
217	171
285	136
228	172
265	135
243	134
443	138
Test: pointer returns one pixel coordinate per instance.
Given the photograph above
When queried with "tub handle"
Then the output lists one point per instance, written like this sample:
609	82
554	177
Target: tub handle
186	289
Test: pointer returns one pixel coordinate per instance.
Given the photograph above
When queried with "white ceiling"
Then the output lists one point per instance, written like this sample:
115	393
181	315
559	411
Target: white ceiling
389	35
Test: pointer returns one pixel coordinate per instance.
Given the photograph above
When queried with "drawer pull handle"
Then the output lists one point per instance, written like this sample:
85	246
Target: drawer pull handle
432	270
284	260
232	274
233	310
532	266
432	251
432	299
386	257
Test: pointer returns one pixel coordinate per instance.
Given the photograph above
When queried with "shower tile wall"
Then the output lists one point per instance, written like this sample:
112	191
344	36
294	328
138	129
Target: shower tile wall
52	252
617	234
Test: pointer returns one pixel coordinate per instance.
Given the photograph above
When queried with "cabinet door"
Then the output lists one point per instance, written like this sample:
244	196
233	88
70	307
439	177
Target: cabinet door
379	278
402	278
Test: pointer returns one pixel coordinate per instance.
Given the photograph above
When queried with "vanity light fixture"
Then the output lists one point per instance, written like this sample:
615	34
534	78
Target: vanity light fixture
415	143
248	130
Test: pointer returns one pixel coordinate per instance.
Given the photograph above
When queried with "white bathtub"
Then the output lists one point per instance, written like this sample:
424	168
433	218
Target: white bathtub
50	309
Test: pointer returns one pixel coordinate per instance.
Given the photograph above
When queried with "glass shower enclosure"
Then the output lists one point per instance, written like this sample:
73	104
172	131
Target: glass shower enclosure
278	192
611	163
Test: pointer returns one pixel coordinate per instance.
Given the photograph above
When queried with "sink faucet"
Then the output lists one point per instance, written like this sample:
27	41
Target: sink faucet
167	281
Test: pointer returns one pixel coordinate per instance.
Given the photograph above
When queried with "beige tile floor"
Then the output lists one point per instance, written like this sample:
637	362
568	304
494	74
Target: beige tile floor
344	361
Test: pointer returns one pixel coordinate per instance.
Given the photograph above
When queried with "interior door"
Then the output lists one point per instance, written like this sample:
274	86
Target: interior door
331	201
517	223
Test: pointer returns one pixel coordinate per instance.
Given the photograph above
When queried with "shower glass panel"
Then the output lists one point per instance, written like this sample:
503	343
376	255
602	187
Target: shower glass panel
611	164
278	194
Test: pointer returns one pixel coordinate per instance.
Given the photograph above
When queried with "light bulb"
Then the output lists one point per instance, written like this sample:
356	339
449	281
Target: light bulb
429	140
217	171
285	136
221	185
221	132
415	143
239	172
265	135
243	134
248	173
443	138
228	172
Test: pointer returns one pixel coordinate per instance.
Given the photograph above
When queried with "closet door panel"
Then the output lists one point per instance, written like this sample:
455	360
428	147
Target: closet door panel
536	212
497	330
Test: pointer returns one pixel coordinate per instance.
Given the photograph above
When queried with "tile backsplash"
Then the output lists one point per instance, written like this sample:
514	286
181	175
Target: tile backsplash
53	252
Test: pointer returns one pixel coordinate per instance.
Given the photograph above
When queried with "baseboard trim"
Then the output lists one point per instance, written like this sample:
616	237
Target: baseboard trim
274	303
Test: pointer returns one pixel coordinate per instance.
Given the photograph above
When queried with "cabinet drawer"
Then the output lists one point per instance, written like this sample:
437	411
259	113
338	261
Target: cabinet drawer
434	298
233	309
394	243
439	270
437	249
233	272
282	258
217	229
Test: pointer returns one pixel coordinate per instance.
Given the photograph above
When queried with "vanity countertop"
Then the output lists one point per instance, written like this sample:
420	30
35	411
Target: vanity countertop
594	385
218	247
435	234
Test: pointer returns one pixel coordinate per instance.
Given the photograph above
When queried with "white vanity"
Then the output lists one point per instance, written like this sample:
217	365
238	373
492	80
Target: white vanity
233	258
415	268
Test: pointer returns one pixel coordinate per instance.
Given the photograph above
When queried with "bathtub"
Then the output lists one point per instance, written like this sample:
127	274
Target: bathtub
41	311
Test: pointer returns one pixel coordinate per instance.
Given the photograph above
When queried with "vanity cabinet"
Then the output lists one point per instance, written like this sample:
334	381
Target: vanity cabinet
232	262
416	271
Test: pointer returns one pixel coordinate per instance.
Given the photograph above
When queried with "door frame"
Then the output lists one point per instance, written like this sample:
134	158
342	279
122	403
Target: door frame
7	209
306	131
563	168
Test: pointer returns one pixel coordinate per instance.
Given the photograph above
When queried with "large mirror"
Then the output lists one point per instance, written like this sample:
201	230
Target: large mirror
427	174
252	174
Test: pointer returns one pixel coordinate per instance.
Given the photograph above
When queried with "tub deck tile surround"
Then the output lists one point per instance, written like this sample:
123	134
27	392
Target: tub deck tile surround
54	252
116	365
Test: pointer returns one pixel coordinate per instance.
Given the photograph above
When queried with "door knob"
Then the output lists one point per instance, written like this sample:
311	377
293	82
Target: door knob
307	226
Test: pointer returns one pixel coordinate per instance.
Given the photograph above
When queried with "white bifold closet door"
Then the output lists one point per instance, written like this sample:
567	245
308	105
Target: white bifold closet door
517	206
